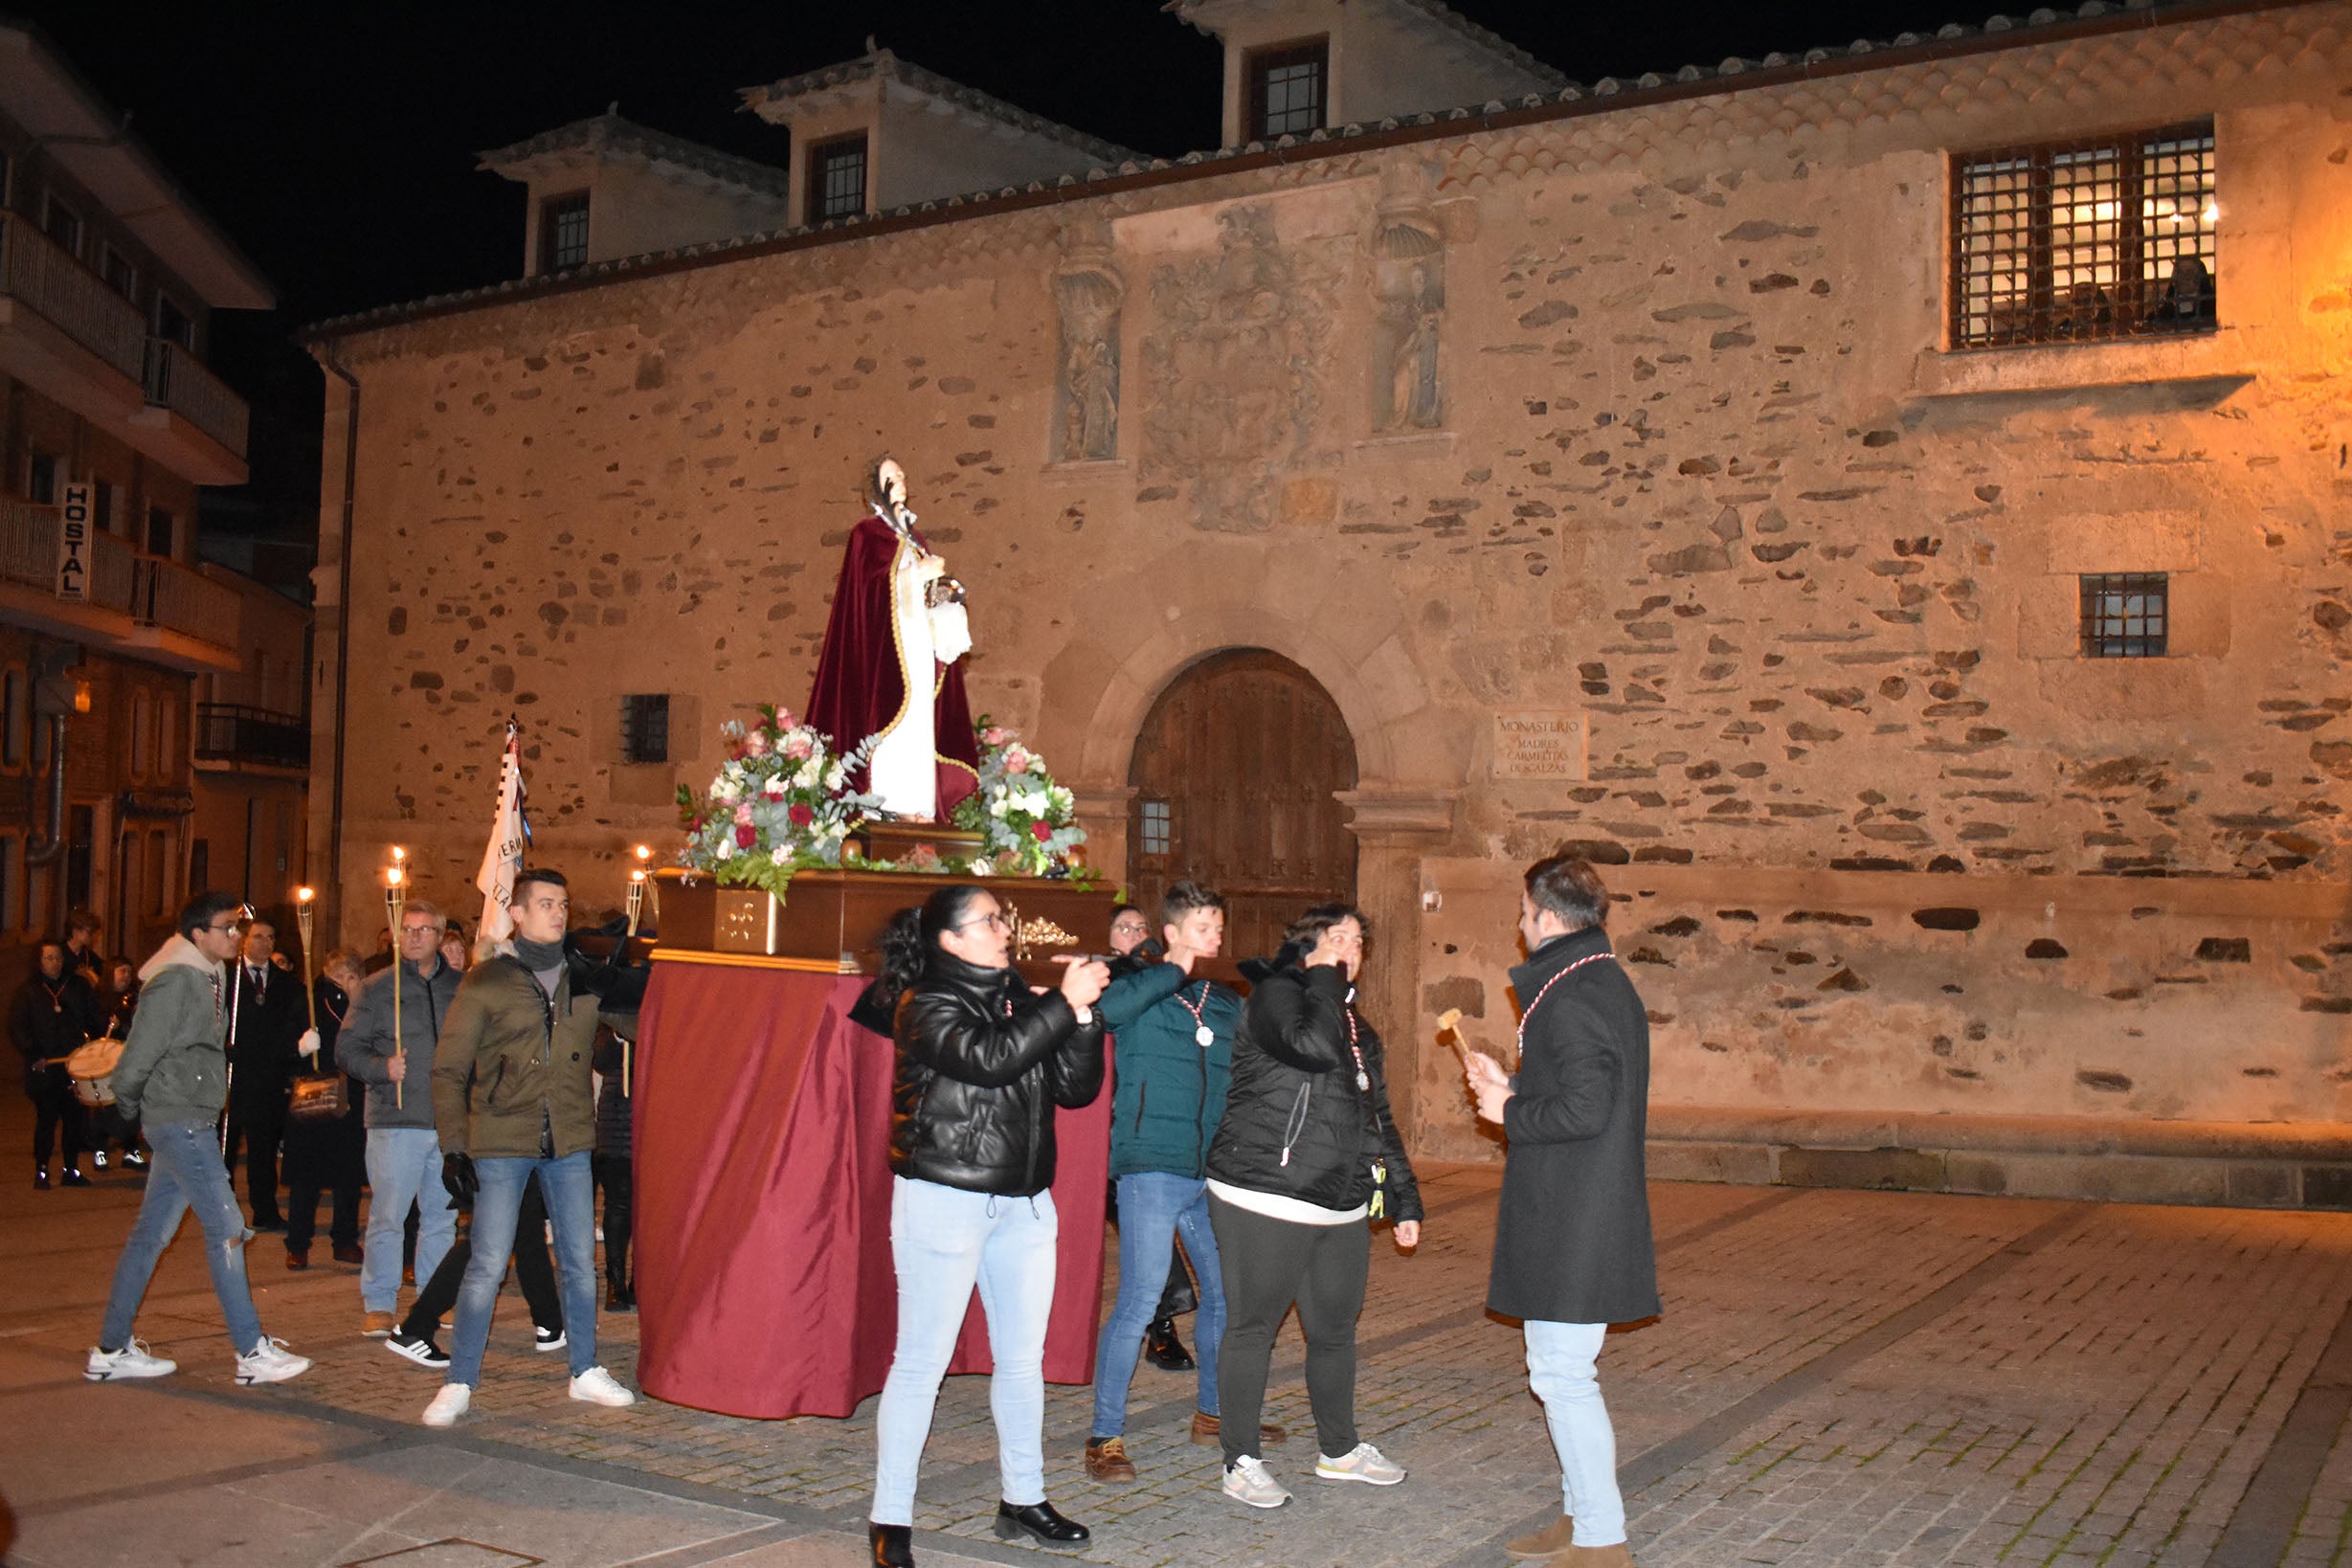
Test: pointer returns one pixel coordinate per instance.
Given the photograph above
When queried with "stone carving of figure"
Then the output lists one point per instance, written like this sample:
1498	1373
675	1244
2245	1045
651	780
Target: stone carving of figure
1412	312
1089	293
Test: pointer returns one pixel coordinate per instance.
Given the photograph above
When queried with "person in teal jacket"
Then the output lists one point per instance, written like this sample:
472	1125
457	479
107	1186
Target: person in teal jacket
1173	1055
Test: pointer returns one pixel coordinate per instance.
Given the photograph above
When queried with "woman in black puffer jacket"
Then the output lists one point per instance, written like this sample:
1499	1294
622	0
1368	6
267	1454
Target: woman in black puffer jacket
982	1063
1306	1155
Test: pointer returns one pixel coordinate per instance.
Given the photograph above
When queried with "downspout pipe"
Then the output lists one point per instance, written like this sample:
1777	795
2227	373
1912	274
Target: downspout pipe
330	356
47	846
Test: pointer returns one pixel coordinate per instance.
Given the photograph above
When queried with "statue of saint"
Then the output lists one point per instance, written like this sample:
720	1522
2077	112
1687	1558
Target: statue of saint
891	671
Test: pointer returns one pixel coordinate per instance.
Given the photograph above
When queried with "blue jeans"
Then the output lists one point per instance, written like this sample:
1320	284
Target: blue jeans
569	1190
404	1167
1153	1206
944	1242
1560	1360
185	1174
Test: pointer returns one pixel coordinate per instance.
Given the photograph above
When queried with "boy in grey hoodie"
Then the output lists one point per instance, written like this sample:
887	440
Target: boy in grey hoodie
173	1076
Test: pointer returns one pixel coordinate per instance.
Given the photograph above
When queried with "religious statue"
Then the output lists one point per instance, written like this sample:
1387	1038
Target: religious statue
891	674
1088	293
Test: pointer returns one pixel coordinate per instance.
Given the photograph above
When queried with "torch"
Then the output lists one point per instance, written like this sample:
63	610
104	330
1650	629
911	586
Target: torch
301	919
396	899
636	907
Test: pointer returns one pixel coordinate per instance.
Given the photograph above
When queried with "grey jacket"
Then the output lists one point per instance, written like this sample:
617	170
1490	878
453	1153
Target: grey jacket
364	1048
174	1070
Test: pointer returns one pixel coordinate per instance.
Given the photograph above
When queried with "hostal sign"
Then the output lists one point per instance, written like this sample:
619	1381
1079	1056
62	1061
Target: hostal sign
73	518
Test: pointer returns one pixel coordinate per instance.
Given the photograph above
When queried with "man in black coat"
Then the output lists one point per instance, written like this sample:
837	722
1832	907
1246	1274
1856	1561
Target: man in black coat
52	1015
1572	1243
265	1030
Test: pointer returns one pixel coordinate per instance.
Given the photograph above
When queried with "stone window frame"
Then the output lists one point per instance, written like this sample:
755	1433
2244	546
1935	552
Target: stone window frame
2124	614
1258	66
2010	194
559	249
646	729
826	158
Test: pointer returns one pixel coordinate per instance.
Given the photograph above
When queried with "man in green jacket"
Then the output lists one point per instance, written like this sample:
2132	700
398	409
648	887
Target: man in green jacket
511	1096
173	1077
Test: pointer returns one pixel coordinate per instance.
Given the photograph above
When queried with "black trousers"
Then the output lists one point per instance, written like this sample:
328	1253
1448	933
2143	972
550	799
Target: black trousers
258	1122
532	1270
1177	1295
303	1214
56	1113
618	1182
1268	1265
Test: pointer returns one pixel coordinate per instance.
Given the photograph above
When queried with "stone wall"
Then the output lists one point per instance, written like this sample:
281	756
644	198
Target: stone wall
1620	448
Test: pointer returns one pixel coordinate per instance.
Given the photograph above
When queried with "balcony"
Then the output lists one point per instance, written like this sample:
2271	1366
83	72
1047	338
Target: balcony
239	735
68	336
136	605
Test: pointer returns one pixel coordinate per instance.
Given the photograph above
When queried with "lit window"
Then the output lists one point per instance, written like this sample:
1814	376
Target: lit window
1287	89
1158	827
563	232
2124	614
837	178
2085	241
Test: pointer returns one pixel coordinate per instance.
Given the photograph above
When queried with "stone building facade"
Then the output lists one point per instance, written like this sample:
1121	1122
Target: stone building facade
1612	460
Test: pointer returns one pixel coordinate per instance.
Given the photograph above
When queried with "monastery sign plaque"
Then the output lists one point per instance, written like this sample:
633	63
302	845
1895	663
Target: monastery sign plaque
1539	743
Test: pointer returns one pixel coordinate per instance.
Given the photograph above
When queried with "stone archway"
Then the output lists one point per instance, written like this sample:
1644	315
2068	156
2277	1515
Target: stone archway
1240	775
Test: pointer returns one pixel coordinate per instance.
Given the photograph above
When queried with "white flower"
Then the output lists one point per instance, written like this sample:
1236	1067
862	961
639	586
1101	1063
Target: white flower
834	777
726	846
779	855
806	778
996	807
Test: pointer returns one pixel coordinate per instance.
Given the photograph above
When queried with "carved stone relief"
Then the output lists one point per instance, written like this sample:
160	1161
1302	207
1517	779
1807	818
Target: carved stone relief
1087	295
1409	312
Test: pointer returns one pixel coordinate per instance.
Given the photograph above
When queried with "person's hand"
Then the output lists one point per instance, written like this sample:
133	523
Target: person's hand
396	1066
1083	981
1408	1234
931	567
309	1044
458	1176
1489	1084
1342	946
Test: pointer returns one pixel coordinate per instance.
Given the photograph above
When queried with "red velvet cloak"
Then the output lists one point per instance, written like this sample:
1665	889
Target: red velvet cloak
858	691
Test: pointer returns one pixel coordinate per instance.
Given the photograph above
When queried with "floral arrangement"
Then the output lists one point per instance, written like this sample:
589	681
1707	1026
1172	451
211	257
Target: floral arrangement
1028	822
780	803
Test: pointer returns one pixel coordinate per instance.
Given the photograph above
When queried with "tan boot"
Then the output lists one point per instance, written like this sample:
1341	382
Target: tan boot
1206	1429
1106	1460
1557	1537
1592	1557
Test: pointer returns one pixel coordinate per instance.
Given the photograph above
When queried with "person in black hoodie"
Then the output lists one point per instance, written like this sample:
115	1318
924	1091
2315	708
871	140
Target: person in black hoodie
982	1062
55	1012
1306	1155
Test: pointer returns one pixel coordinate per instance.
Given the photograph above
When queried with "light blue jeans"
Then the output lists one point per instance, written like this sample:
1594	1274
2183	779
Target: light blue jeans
1154	1205
1560	1360
185	1174
404	1167
569	1189
944	1242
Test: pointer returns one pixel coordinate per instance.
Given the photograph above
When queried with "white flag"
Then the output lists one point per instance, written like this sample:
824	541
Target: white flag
503	856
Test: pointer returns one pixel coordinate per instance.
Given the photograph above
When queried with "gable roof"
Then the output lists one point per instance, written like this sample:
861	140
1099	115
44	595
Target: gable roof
609	133
1444	16
773	100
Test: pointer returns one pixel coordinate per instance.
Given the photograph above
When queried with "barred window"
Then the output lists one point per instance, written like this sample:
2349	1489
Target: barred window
2124	614
2085	241
837	178
563	232
1156	834
1287	89
645	727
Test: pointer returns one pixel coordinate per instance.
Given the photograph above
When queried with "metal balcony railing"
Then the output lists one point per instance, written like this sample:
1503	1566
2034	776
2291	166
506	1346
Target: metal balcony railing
147	588
234	732
178	380
72	297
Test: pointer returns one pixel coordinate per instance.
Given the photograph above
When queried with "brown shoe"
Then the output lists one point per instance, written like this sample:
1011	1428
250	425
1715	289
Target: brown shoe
1106	1460
1592	1557
1205	1431
378	1325
298	1261
1557	1537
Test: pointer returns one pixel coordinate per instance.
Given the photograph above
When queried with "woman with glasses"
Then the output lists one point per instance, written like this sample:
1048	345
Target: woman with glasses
982	1062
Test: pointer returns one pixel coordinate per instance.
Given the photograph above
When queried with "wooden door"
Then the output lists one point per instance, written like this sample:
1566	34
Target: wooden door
1236	776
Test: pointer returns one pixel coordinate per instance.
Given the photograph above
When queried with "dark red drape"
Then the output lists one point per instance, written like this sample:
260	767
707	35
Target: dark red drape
764	1279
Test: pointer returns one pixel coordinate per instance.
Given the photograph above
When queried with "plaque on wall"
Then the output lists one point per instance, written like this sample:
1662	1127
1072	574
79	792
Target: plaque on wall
1540	743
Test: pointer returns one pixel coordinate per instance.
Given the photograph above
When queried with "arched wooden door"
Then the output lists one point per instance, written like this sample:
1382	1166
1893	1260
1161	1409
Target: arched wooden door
1236	774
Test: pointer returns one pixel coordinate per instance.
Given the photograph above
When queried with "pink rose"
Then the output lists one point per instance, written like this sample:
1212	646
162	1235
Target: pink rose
1017	761
743	814
800	813
745	834
784	720
798	748
995	735
756	744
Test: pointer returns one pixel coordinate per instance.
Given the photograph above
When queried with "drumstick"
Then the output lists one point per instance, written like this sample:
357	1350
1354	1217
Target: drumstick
1449	1022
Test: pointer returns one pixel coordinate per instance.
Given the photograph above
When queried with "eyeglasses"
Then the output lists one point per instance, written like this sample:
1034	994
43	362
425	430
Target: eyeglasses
1129	928
993	920
222	930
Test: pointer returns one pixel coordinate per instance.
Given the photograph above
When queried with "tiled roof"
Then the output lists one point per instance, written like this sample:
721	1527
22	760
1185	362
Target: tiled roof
609	132
882	62
1570	100
1453	21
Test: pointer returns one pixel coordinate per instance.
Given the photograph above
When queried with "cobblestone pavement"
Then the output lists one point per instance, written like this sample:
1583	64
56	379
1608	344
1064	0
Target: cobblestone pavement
1840	1377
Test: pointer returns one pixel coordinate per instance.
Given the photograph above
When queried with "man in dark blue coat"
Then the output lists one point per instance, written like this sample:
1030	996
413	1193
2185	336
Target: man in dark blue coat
1572	1243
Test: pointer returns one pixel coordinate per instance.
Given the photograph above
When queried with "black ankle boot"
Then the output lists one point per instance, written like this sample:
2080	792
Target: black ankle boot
1039	1520
618	1297
1163	1349
893	1544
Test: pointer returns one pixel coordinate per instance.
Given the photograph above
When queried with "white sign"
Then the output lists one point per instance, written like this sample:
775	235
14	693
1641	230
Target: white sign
75	515
1540	743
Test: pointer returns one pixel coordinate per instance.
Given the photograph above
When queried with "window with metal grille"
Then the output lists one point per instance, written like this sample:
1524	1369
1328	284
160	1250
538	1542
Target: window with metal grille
2085	241
837	178
645	727
1156	826
2124	614
563	232
1286	88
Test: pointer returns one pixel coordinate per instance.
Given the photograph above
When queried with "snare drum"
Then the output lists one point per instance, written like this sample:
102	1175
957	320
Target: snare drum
92	1070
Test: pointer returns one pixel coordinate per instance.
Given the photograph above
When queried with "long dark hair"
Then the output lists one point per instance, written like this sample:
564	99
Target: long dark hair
909	940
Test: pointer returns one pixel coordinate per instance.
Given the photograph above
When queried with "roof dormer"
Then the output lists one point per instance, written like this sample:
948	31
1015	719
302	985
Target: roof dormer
878	132
604	188
1294	66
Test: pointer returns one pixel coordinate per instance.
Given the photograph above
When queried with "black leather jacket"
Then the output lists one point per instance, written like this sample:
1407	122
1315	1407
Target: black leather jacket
981	1065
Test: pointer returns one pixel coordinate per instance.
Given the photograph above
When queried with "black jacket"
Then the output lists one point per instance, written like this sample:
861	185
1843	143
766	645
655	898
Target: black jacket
265	1026
1572	1240
1295	1124
981	1065
51	1018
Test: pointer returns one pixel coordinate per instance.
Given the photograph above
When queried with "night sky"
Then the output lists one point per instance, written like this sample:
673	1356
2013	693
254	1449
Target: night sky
336	142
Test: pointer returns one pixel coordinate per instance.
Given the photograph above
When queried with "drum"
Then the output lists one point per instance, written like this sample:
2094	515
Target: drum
92	1070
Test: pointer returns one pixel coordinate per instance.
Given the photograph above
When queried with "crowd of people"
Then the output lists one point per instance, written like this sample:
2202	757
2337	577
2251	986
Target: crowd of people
1252	1148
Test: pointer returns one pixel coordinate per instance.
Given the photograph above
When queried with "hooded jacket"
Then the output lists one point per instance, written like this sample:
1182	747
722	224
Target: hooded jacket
982	1062
365	1046
514	1062
174	1070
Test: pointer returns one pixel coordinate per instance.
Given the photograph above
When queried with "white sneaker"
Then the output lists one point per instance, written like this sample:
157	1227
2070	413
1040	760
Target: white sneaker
547	1340
132	1360
1246	1481
598	1386
270	1363
1361	1463
448	1405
